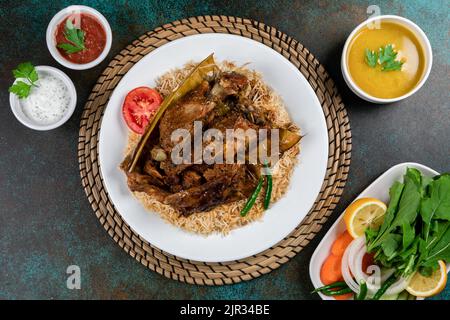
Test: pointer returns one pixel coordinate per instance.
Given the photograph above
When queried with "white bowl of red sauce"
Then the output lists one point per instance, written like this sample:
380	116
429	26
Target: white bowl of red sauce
79	37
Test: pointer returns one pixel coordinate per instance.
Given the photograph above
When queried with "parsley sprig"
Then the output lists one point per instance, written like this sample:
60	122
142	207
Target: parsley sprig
28	75
385	57
371	58
75	36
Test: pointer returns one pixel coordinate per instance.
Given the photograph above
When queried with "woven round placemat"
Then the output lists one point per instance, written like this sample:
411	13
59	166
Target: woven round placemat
234	271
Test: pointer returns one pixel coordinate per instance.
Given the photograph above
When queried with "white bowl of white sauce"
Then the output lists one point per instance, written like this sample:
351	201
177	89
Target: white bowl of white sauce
50	104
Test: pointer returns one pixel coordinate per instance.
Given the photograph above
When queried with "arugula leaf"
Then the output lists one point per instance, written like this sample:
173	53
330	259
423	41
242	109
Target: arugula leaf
410	200
437	205
28	73
409	234
396	244
370	234
395	193
437	247
371	58
411	250
75	36
407	199
390	245
415	233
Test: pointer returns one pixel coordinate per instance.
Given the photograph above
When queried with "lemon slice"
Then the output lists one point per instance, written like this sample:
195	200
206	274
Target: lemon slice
421	286
364	213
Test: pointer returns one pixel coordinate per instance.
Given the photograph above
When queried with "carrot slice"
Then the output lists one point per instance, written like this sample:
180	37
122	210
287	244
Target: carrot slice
347	296
331	270
341	243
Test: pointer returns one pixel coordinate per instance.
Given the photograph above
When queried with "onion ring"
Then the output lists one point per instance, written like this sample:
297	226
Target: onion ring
351	267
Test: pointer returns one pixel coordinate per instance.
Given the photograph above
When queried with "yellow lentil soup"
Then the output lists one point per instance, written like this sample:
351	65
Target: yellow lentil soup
372	79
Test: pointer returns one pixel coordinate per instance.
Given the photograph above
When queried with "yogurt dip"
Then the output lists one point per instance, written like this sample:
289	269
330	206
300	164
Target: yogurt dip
51	101
48	102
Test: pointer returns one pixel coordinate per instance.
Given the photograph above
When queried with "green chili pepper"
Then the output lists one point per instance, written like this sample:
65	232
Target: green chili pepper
252	199
268	188
362	291
336	292
389	282
334	285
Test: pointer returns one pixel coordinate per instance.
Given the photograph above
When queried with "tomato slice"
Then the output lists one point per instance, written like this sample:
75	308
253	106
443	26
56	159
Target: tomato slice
139	108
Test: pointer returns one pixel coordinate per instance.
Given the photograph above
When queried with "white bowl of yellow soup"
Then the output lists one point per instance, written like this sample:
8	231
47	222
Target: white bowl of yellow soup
386	59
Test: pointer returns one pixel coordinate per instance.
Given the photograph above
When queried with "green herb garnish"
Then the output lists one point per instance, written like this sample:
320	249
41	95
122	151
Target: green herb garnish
386	54
385	58
392	65
371	58
75	36
28	73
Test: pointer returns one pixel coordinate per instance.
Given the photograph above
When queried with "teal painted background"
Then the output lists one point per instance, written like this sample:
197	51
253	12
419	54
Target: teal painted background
46	222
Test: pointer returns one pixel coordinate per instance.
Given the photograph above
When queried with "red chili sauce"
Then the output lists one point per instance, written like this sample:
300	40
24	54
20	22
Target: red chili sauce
94	38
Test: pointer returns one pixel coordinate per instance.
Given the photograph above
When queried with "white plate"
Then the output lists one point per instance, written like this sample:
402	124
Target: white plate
285	215
378	189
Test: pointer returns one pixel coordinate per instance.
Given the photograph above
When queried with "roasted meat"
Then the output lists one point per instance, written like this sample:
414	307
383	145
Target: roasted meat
224	184
195	187
191	178
194	107
228	84
145	183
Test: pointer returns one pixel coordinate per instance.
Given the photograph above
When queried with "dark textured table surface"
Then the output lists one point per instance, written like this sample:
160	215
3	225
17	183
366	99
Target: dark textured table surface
46	223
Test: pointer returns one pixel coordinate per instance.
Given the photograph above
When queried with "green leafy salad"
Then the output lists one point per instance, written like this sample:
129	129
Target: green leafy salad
415	233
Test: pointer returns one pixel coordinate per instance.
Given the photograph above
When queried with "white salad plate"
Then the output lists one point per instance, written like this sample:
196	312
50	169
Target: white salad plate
284	215
378	189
